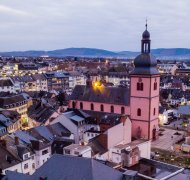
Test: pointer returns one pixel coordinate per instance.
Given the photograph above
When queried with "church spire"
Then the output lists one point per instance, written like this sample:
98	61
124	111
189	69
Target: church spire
145	43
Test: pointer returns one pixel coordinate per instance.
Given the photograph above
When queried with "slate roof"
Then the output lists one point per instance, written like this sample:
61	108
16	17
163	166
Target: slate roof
4	101
11	160
76	168
40	113
185	110
111	95
145	64
71	168
49	132
5	82
12	175
24	136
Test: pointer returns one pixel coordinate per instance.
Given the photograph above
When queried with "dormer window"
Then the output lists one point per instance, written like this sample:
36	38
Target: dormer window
26	156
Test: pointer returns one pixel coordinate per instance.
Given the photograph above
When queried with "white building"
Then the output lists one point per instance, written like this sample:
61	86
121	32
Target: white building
78	150
75	122
7	85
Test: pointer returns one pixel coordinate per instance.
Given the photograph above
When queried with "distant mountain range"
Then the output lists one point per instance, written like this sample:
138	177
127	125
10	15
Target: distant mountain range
163	53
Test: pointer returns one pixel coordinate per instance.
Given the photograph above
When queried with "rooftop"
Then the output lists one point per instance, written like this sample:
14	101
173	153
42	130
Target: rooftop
111	95
77	147
155	169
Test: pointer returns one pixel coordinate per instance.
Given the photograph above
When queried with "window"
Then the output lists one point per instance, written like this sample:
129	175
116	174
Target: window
102	107
81	105
73	104
122	110
155	85
92	106
76	153
138	112
112	109
139	86
154	112
67	151
33	165
26	166
26	156
44	152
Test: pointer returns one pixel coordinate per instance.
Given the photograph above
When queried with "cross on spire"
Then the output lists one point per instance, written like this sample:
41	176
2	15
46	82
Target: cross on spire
146	23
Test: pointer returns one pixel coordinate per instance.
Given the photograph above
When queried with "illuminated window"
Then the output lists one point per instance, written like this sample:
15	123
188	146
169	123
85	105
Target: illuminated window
81	105
122	110
138	112
92	106
102	107
112	109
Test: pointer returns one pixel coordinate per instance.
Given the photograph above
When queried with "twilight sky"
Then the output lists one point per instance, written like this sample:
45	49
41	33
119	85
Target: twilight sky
106	24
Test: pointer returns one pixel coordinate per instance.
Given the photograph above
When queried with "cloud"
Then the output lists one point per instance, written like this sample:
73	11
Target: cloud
108	24
9	10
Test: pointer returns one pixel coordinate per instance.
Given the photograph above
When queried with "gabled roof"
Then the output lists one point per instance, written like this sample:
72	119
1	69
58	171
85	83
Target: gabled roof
185	110
5	82
7	159
76	168
11	100
111	95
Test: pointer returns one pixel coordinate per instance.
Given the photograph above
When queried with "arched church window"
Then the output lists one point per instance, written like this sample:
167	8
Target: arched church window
81	105
73	104
92	106
102	107
112	109
122	110
138	112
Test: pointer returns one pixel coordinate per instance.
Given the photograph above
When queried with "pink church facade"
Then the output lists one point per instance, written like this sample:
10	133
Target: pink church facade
142	102
100	107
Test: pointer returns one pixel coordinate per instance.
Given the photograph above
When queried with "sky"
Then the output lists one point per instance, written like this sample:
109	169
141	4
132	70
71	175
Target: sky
115	25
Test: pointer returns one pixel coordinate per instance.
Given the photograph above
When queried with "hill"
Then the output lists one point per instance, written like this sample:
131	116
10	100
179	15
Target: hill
92	52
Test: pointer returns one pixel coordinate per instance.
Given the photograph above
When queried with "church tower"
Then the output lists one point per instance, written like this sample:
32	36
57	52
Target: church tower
144	98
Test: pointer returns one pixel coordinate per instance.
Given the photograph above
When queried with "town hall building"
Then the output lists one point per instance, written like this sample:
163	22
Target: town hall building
140	102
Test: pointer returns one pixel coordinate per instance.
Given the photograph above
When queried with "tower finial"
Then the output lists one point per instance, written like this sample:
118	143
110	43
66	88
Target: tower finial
146	24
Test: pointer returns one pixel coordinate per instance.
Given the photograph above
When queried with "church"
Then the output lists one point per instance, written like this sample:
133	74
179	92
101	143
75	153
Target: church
140	102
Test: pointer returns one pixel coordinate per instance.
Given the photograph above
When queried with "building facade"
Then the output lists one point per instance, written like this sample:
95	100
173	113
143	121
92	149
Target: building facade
140	102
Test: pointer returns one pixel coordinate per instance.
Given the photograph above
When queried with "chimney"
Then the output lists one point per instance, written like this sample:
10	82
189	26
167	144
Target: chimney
42	178
123	119
16	140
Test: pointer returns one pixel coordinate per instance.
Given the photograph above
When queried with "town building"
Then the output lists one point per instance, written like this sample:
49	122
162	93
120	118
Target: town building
15	103
57	80
140	101
7	85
